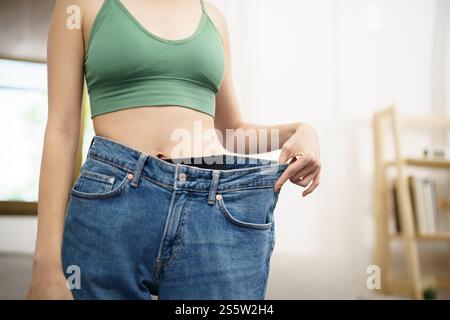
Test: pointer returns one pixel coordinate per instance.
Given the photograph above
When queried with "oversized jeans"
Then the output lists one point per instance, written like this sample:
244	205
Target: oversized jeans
137	226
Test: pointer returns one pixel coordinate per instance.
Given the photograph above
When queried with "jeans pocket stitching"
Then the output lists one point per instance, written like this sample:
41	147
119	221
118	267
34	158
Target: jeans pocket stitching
247	225
103	195
100	177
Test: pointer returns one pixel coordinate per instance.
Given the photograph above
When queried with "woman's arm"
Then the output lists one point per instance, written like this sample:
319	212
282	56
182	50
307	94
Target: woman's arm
298	141
65	55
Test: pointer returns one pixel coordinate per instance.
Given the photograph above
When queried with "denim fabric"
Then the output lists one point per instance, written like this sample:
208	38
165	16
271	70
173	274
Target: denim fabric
137	226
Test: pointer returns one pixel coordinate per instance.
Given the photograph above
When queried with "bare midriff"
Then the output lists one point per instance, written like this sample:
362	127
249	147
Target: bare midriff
162	131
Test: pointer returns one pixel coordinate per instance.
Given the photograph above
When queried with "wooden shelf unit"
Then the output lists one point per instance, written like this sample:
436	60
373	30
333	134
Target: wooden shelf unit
414	281
425	236
429	163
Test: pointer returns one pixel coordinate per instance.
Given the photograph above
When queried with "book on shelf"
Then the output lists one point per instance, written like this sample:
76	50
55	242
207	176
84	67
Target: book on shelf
423	197
397	225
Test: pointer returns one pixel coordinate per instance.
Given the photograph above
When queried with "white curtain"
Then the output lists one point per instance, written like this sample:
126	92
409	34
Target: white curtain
332	63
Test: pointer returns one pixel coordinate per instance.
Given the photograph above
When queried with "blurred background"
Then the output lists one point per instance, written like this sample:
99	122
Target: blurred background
373	76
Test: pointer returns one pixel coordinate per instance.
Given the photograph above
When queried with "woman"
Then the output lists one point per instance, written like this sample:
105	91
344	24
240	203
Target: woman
138	221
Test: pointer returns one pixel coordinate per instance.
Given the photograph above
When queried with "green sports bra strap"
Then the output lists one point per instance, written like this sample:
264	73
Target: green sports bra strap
203	5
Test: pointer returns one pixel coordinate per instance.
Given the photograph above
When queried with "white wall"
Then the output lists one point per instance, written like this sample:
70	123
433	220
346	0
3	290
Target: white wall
333	63
17	234
328	63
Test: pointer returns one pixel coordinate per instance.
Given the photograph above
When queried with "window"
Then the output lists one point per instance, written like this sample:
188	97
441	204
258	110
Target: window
23	114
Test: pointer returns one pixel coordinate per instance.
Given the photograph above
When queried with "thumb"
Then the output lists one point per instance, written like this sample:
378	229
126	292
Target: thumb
285	155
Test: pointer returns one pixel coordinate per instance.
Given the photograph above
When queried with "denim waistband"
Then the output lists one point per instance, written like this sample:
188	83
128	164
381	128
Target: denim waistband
241	172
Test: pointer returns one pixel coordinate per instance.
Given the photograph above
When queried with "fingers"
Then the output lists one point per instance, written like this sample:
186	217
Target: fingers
305	180
305	175
316	182
291	170
284	155
288	153
301	171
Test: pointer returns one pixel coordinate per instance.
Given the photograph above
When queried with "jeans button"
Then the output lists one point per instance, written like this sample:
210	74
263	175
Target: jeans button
182	177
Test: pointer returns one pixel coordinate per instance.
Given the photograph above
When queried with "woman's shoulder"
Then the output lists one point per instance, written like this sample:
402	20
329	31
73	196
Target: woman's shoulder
82	4
217	17
90	8
87	9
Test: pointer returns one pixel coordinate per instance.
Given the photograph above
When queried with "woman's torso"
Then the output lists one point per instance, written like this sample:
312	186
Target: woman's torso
164	131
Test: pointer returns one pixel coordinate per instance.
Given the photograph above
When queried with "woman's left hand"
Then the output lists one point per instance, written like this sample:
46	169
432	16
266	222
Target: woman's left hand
304	168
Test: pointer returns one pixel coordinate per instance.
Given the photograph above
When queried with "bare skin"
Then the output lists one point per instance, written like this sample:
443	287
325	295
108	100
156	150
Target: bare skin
148	129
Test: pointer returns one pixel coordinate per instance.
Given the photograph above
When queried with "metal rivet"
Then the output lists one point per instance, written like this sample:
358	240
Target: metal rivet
182	176
130	176
218	197
111	180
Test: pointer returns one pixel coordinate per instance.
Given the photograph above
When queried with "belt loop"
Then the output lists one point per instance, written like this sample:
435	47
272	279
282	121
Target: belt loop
138	170
213	188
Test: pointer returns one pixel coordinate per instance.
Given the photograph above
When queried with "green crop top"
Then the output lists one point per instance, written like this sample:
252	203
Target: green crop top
127	66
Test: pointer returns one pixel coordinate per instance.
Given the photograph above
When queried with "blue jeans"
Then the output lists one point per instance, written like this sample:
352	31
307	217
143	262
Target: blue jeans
137	226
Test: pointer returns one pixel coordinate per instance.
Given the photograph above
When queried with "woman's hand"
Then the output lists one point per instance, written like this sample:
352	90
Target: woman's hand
304	168
49	284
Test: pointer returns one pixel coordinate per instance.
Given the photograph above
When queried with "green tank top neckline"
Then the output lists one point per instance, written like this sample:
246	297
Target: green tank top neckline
197	31
127	66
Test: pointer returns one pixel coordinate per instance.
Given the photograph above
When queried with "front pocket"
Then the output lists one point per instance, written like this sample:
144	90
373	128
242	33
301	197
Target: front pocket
98	179
249	209
93	182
